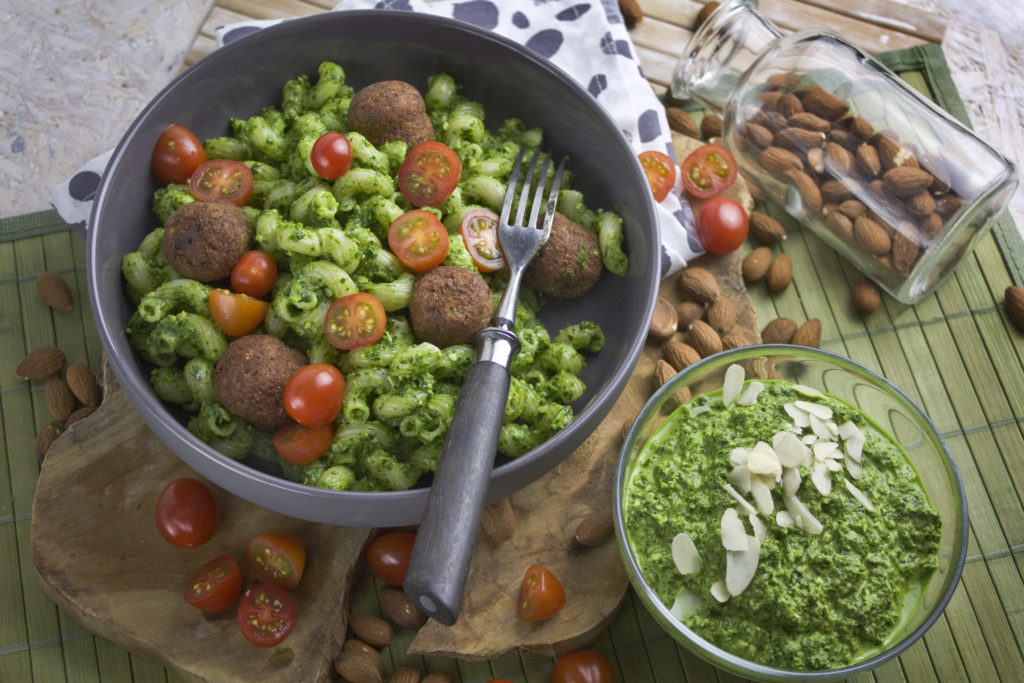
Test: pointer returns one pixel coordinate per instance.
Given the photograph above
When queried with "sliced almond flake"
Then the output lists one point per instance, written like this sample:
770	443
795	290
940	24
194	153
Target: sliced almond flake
686	605
833	427
740	478
848	429
784	519
685	555
854	468
798	416
819	428
822	412
760	530
833	465
748	396
762	496
738	456
808	439
826	449
751	510
740	566
764	460
789	449
791	480
854	446
719	592
807	391
805	520
859	495
821	478
734	534
733	383
697	410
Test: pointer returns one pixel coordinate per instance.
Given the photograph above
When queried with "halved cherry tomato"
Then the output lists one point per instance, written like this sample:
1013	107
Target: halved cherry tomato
176	155
661	172
331	156
254	274
277	557
236	314
583	666
708	170
266	615
722	225
314	394
430	173
419	240
541	595
222	180
479	230
187	514
387	556
355	320
216	586
302	445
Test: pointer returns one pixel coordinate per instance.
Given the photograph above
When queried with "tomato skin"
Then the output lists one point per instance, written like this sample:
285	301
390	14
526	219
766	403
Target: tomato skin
583	666
541	595
278	558
176	155
222	180
479	229
331	156
419	240
314	394
266	615
236	314
430	173
187	514
301	445
254	274
708	170
722	225
387	556
216	586
355	320
661	172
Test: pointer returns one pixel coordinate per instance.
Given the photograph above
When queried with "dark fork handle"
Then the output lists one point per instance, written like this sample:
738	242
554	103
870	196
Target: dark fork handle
436	577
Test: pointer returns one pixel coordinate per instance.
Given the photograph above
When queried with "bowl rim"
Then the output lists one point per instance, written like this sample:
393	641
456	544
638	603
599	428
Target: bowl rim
694	641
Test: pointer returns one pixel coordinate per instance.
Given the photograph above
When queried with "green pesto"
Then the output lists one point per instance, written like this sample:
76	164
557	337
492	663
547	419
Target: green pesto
815	602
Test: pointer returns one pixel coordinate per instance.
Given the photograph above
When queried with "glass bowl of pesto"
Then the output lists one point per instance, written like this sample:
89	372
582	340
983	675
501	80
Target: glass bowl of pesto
786	513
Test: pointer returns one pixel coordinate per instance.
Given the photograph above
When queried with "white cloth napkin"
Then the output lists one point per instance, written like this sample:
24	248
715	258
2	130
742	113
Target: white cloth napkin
586	38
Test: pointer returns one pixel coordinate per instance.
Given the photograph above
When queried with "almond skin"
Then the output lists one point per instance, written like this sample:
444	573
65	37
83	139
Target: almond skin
867	160
808	334
806	119
663	372
687	312
59	399
680	121
721	315
595	528
871	236
54	290
1014	303
664	321
400	608
907	181
711	126
809	191
779	274
703	338
498	520
765	229
45	438
370	629
865	296
799	139
821	102
41	363
755	264
355	665
405	674
699	284
82	382
79	414
680	355
734	341
780	160
778	331
632	13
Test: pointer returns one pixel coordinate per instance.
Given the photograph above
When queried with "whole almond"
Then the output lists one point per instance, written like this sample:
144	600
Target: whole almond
711	126
54	290
778	331
354	644
806	119
871	236
838	159
821	102
931	225
907	181
758	135
808	334
438	677
834	191
631	11
699	284
687	312
1014	303
921	204
852	208
721	315
780	274
59	399
82	382
663	372
680	355
755	264
839	224
371	629
808	190
844	138
704	12
45	438
947	205
405	674
703	338
861	127
799	139
400	608
784	80
595	528
664	321
788	104
734	341
41	363
816	159
358	667
891	154
680	121
498	520
904	252
79	414
780	160
765	229
865	296
867	160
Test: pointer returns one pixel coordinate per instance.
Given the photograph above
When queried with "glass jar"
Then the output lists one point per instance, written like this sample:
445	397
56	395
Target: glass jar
879	172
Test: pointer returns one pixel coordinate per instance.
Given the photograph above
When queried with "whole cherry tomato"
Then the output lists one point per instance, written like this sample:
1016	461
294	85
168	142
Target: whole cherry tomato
541	595
314	394
583	666
430	173
254	274
388	556
278	557
236	314
176	155
187	514
216	586
708	170
331	156
301	445
661	172
722	225
266	615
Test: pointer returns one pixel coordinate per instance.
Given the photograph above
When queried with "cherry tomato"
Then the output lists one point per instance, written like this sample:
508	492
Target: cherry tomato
302	445
541	596
277	557
661	172
708	170
722	225
583	666
236	314
222	179
388	556
216	586
419	240
266	615
331	156
186	513
254	274
479	230
314	394
176	155
430	173
354	320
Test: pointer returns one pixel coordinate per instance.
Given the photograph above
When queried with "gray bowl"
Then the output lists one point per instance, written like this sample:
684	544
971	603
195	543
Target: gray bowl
509	80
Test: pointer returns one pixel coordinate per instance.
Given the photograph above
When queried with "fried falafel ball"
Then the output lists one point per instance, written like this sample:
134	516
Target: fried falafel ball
569	264
250	377
204	240
449	305
390	110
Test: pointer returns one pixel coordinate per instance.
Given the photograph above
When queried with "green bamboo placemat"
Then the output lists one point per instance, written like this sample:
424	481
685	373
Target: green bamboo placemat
955	353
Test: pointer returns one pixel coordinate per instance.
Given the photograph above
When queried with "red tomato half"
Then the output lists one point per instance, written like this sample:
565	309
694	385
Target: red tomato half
388	556
254	274
430	173
277	557
266	615
479	230
419	240
584	666
314	394
708	170
722	225
541	595
355	320
302	445
176	155
186	513
661	172
216	586
236	314
222	180
331	155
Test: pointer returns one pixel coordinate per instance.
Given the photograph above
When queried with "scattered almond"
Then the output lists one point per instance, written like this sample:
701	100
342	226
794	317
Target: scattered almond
680	121
1014	302
765	229
405	674
780	274
680	355
400	608
356	644
721	315
82	382
704	13
41	363
632	13
595	528
371	629
358	667
79	414
699	284
664	321
808	334
59	399
755	264
711	126
498	520
687	312
45	438
663	372
865	296
734	341
778	331
54	290
703	338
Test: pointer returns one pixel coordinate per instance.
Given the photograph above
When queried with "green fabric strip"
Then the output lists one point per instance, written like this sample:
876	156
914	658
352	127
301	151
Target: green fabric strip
31	225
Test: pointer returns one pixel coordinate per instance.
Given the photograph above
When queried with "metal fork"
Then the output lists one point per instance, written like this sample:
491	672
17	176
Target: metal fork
436	577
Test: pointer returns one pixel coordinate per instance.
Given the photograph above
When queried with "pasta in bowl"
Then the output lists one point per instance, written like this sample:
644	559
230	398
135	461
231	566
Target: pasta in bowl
330	239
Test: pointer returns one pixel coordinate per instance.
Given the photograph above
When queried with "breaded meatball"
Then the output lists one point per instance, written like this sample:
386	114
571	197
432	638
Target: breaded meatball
204	240
569	264
449	304
390	110
250	377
